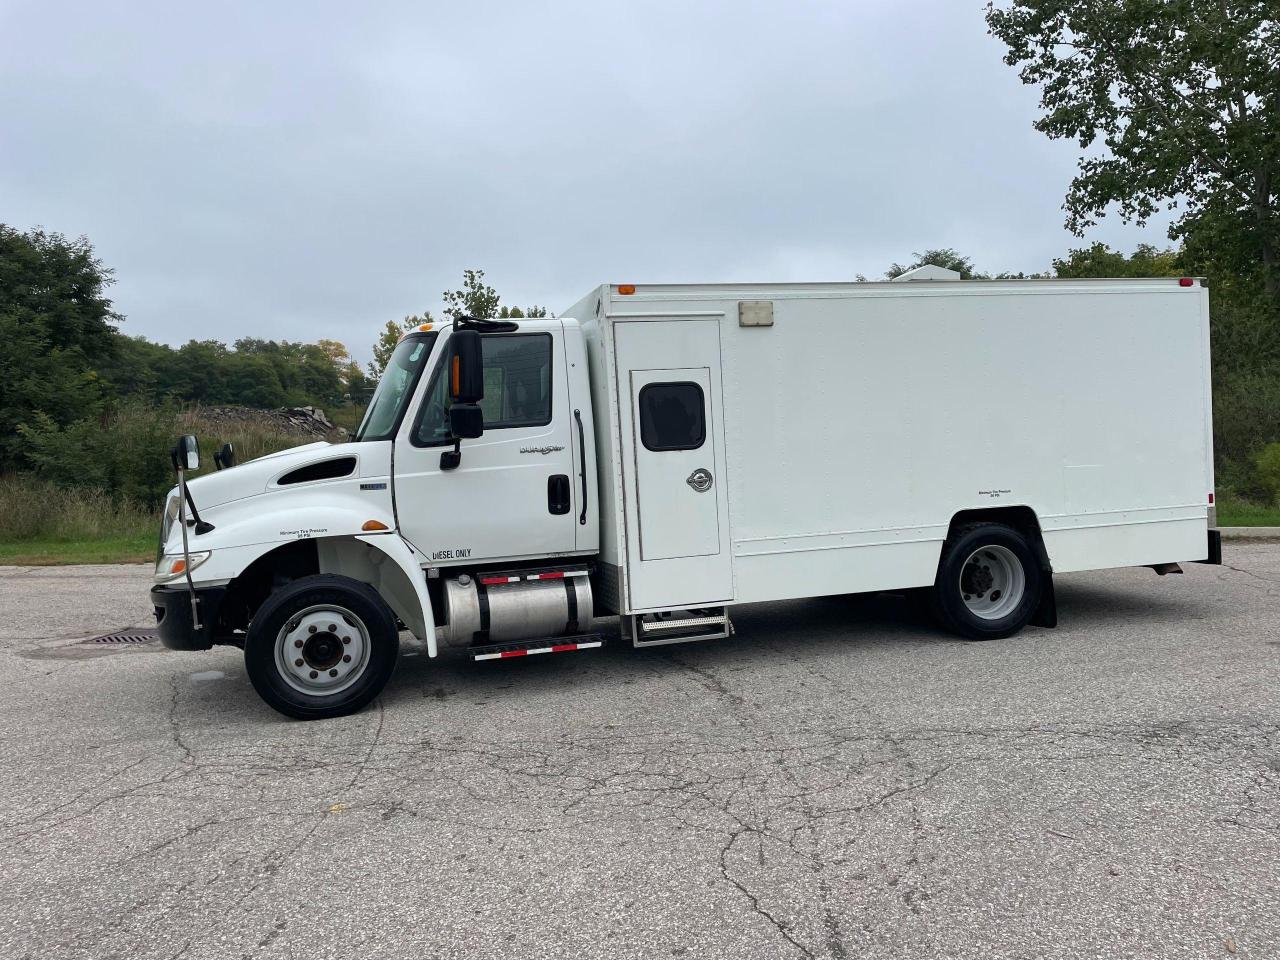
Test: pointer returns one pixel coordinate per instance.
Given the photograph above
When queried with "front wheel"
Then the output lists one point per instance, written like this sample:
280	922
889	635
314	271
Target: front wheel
989	582
323	646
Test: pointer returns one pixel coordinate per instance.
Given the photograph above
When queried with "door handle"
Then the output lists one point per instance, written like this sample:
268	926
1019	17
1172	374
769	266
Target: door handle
582	465
700	480
558	494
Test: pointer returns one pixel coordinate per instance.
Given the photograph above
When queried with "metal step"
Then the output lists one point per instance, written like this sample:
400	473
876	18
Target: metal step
528	648
651	630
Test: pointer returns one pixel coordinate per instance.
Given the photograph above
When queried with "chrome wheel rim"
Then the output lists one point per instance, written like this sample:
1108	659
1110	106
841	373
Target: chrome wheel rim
322	650
992	582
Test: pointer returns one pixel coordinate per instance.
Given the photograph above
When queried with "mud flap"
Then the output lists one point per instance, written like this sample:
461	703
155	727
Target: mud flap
1046	613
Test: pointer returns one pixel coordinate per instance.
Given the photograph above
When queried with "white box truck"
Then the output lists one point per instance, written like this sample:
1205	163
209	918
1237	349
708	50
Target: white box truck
664	453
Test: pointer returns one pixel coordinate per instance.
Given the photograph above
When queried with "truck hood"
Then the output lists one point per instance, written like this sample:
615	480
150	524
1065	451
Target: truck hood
254	477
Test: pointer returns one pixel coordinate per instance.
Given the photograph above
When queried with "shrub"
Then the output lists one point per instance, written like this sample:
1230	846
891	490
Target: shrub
125	452
1267	463
1246	415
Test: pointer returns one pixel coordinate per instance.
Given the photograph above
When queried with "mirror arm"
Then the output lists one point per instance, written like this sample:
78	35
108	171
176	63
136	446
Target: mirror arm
450	459
201	526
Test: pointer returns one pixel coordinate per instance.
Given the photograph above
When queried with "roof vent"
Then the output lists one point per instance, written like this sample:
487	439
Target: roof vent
928	272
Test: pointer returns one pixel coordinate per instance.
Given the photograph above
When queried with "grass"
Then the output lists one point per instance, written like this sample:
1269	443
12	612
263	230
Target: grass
30	553
41	524
348	417
1241	513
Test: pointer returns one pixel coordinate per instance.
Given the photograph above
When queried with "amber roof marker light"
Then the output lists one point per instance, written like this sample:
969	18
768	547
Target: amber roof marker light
626	289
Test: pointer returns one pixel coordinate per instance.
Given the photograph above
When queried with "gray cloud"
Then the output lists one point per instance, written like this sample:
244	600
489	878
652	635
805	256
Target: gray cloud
308	170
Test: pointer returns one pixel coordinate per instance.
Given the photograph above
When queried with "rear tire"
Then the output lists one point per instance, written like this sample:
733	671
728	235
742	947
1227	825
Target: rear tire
989	582
323	646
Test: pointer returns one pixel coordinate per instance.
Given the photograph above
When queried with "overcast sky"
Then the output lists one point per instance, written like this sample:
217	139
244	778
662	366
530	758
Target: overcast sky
300	171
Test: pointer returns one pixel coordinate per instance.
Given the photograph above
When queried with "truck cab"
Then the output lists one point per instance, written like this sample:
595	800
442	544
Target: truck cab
471	531
518	491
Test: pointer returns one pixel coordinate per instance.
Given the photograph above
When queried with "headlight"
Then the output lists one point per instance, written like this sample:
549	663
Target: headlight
175	565
167	520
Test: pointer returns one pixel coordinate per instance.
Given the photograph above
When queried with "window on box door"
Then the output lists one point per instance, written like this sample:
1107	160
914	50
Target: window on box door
672	416
517	388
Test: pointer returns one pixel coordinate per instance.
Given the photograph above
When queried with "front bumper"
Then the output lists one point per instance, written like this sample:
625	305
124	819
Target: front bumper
173	616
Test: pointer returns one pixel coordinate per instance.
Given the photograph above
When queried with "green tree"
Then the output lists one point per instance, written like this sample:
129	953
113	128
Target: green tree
478	299
1174	103
349	373
474	299
1100	260
391	334
57	327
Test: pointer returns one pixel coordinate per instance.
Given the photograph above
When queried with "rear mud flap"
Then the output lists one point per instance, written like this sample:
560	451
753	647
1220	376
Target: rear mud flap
1046	614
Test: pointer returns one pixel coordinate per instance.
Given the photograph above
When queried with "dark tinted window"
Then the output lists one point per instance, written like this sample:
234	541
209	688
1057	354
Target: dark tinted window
671	416
517	387
517	380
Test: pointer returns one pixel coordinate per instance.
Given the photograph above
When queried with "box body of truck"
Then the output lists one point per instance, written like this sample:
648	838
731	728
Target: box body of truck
848	426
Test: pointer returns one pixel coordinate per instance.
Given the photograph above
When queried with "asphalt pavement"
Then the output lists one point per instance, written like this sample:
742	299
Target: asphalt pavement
838	780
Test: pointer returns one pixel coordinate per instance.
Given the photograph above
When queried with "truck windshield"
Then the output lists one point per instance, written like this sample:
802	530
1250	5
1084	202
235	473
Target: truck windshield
395	388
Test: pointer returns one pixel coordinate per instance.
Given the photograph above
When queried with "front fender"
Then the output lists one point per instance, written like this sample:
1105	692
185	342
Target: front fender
414	608
382	560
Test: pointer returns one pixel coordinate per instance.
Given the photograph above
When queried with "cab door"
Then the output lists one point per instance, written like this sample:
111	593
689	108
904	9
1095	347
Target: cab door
512	496
678	539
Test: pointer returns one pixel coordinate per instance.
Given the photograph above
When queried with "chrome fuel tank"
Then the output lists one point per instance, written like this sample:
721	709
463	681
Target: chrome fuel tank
507	612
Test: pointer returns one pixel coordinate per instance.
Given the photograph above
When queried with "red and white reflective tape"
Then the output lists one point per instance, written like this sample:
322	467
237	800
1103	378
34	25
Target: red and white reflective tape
551	575
556	648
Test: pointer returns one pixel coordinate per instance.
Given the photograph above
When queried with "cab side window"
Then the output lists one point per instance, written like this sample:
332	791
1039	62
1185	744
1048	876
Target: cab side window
517	388
517	380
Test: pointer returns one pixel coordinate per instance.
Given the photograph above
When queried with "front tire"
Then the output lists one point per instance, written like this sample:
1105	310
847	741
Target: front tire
989	582
323	646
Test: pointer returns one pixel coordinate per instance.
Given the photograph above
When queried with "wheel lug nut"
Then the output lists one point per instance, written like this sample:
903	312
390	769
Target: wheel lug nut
314	674
298	662
297	643
346	639
311	629
346	658
333	673
333	628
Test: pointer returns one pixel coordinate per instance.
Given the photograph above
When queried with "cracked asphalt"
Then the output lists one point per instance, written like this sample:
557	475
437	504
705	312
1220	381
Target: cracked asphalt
836	781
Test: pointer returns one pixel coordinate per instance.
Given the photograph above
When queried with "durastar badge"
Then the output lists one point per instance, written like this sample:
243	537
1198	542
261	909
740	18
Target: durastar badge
542	450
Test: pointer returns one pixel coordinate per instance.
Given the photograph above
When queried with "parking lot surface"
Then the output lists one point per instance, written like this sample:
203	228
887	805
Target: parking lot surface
837	781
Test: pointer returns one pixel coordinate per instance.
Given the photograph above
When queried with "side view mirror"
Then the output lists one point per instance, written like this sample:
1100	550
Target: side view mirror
466	421
186	453
466	367
225	457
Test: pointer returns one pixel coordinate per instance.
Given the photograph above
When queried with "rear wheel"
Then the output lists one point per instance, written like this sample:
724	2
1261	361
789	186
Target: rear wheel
323	646
989	582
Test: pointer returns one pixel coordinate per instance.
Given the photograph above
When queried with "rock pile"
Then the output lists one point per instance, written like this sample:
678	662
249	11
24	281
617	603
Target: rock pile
297	421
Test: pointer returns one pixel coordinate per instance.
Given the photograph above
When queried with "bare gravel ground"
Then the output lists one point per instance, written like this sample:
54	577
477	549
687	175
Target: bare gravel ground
836	781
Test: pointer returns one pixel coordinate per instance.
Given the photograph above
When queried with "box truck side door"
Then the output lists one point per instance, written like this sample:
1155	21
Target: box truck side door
678	538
